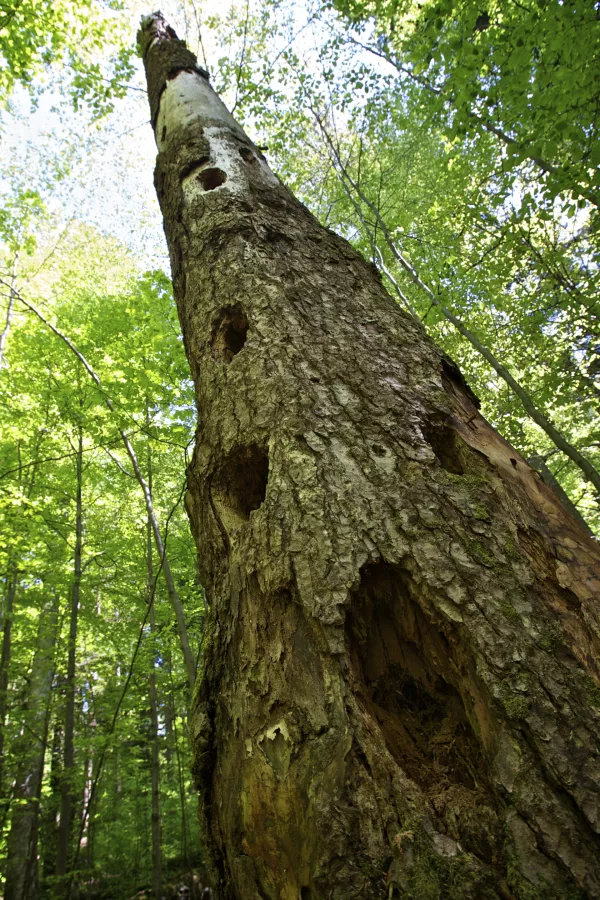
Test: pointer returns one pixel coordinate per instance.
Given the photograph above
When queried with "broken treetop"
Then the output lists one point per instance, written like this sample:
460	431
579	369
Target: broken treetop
169	55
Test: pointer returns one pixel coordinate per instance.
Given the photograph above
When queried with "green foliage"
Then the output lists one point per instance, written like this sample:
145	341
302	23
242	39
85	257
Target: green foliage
526	73
16	215
131	338
36	35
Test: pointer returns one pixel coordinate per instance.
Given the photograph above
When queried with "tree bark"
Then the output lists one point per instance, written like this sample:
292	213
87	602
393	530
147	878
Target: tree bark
86	825
155	765
400	685
22	875
540	465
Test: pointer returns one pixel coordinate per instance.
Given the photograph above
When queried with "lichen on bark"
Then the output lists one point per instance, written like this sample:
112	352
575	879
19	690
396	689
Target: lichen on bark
399	688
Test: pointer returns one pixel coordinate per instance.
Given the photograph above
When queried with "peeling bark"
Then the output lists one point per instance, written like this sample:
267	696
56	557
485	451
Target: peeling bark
400	687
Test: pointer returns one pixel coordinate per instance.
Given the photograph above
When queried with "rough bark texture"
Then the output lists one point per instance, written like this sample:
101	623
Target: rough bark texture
400	687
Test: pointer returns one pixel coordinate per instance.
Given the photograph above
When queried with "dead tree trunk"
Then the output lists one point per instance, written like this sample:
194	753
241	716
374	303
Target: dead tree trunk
400	688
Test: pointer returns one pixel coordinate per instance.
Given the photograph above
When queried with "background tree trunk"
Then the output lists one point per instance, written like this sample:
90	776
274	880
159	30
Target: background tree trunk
5	655
67	787
49	812
22	875
400	687
155	750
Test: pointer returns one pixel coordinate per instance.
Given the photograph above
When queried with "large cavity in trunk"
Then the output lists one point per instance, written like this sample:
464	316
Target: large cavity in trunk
419	684
239	485
229	333
446	445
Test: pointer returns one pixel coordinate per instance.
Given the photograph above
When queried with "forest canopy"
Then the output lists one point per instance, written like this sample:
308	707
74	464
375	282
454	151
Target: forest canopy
454	143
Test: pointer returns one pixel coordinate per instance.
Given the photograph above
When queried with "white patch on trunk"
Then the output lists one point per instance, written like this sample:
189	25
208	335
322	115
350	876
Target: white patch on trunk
224	155
188	98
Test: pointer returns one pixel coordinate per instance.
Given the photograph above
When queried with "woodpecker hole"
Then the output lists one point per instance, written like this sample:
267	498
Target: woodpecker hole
247	155
445	443
193	167
164	133
272	236
407	668
229	333
418	685
240	484
211	178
